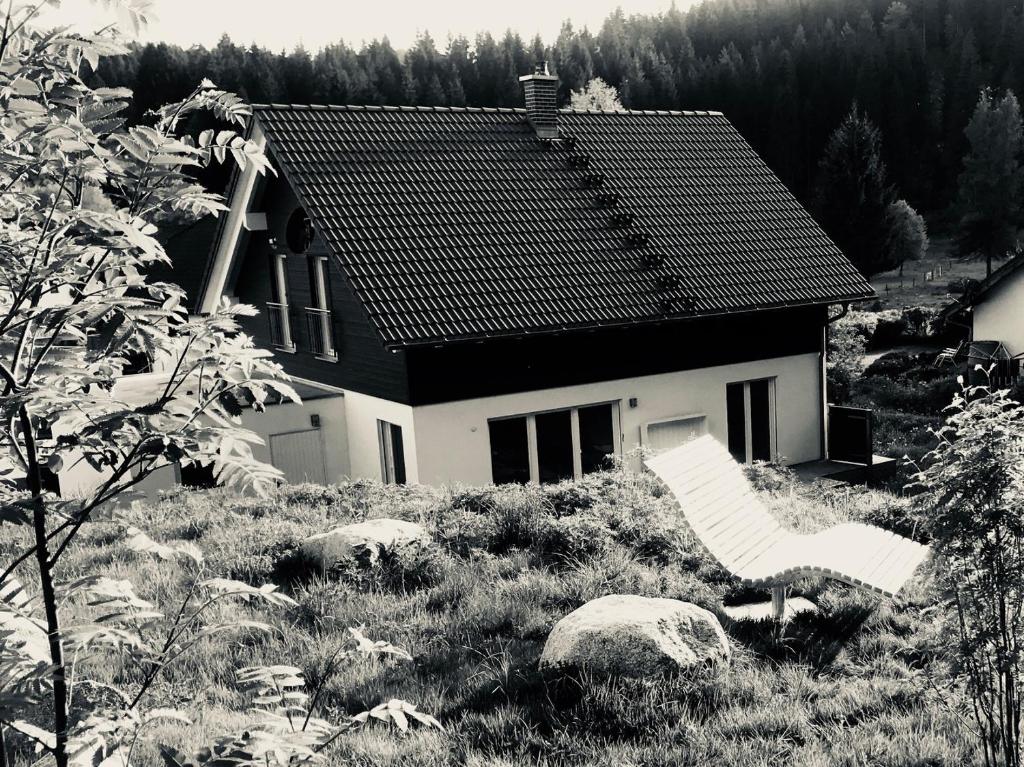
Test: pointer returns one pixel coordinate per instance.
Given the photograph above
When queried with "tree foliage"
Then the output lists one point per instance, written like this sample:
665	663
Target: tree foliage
854	192
784	73
81	193
596	95
989	193
857	205
906	236
972	510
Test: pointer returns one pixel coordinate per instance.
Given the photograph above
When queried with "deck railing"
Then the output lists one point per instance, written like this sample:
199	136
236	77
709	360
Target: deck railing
321	333
280	326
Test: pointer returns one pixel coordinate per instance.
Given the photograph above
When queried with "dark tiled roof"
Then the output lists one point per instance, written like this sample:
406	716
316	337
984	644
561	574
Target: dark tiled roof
188	247
460	223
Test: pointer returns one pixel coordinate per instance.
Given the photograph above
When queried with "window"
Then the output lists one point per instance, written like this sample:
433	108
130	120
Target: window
554	445
277	308
392	453
750	416
597	437
298	233
318	317
672	432
510	451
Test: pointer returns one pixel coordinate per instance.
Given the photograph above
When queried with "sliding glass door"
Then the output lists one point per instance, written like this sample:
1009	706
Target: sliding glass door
553	445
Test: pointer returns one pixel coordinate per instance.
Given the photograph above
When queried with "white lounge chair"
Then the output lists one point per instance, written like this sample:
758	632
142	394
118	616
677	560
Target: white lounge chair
726	515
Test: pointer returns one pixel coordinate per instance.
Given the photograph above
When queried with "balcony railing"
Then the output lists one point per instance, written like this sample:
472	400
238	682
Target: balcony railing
321	332
280	326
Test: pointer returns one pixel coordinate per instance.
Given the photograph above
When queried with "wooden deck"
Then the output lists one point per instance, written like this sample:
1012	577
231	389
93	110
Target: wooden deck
854	473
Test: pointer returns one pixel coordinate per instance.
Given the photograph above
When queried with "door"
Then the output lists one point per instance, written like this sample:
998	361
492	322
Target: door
554	445
392	453
750	418
300	455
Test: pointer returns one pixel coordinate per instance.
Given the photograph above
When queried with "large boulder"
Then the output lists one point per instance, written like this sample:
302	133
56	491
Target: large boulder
633	636
344	543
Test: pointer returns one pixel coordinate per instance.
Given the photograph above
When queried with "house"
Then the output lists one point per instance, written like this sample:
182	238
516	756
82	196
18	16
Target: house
992	313
501	295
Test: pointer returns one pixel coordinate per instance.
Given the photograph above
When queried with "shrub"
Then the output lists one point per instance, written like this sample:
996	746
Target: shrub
568	498
909	397
577	537
891	329
465	532
770	477
399	569
846	345
971	507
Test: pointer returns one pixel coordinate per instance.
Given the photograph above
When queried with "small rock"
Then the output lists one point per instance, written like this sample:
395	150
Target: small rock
340	544
622	635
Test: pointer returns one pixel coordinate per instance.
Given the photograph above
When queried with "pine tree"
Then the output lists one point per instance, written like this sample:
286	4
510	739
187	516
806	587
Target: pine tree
854	192
989	193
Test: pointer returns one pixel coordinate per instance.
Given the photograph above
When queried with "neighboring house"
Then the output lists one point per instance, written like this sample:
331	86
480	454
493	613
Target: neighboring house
992	312
509	295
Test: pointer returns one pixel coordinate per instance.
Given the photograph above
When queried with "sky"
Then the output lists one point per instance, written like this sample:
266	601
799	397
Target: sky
284	24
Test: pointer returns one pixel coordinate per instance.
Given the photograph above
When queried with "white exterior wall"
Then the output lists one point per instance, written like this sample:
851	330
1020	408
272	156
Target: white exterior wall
453	445
449	443
1000	316
78	478
290	416
362	414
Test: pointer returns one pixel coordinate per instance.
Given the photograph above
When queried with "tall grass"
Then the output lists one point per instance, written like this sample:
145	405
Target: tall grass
845	686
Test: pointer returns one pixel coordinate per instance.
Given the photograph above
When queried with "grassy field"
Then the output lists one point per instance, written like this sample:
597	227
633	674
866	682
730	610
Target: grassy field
916	288
847	686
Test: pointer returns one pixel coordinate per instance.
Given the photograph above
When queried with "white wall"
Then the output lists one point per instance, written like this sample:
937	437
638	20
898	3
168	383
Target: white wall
291	416
362	413
1000	317
452	442
78	478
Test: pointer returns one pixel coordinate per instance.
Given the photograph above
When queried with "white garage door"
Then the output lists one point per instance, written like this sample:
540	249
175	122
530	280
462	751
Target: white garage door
663	435
300	455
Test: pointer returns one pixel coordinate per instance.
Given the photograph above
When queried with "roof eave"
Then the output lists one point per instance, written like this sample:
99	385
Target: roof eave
553	331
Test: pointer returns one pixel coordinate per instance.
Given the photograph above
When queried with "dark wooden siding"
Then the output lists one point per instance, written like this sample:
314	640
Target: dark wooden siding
363	364
467	370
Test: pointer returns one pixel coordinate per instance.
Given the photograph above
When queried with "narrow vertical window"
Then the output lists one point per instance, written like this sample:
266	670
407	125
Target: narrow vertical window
392	453
760	421
736	417
554	446
597	437
750	414
510	451
318	317
277	307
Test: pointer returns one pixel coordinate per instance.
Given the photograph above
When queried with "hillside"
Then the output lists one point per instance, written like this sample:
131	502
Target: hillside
784	72
846	686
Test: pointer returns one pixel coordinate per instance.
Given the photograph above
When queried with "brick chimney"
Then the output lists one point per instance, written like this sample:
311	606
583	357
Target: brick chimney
541	91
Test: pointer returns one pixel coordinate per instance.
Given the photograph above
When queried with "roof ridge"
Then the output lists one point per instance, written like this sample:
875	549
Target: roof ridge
646	112
478	110
381	108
